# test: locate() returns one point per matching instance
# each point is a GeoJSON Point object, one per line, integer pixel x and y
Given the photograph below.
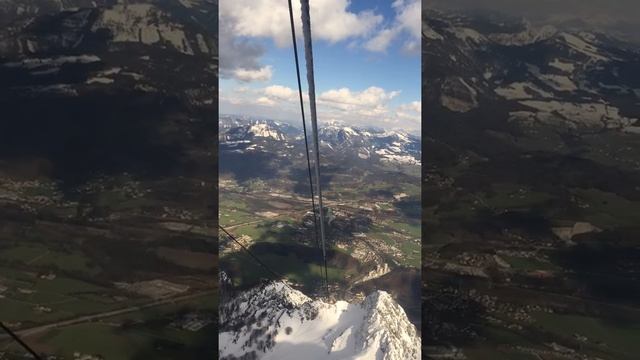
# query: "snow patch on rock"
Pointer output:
{"type": "Point", "coordinates": [521, 90]}
{"type": "Point", "coordinates": [142, 23]}
{"type": "Point", "coordinates": [277, 322]}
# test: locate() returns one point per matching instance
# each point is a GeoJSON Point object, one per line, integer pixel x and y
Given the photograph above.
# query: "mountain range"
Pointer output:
{"type": "Point", "coordinates": [576, 81]}
{"type": "Point", "coordinates": [242, 134]}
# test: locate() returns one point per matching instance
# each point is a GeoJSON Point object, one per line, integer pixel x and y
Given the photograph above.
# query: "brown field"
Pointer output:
{"type": "Point", "coordinates": [186, 258]}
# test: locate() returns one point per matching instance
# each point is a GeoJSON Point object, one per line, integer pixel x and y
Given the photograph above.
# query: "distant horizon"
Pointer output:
{"type": "Point", "coordinates": [298, 123]}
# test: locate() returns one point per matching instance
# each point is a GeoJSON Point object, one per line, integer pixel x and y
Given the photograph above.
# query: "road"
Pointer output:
{"type": "Point", "coordinates": [89, 318]}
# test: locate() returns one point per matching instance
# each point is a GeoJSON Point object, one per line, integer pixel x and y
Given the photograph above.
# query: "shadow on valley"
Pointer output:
{"type": "Point", "coordinates": [73, 138]}
{"type": "Point", "coordinates": [248, 166]}
{"type": "Point", "coordinates": [605, 265]}
{"type": "Point", "coordinates": [201, 345]}
{"type": "Point", "coordinates": [299, 263]}
{"type": "Point", "coordinates": [528, 221]}
{"type": "Point", "coordinates": [341, 227]}
{"type": "Point", "coordinates": [301, 178]}
{"type": "Point", "coordinates": [411, 208]}
{"type": "Point", "coordinates": [448, 314]}
{"type": "Point", "coordinates": [292, 348]}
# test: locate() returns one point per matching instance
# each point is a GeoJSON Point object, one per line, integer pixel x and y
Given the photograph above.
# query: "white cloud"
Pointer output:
{"type": "Point", "coordinates": [280, 92]}
{"type": "Point", "coordinates": [408, 20]}
{"type": "Point", "coordinates": [237, 53]}
{"type": "Point", "coordinates": [230, 99]}
{"type": "Point", "coordinates": [411, 111]}
{"type": "Point", "coordinates": [247, 75]}
{"type": "Point", "coordinates": [372, 96]}
{"type": "Point", "coordinates": [415, 106]}
{"type": "Point", "coordinates": [265, 101]}
{"type": "Point", "coordinates": [371, 106]}
{"type": "Point", "coordinates": [331, 20]}
{"type": "Point", "coordinates": [242, 22]}
{"type": "Point", "coordinates": [382, 40]}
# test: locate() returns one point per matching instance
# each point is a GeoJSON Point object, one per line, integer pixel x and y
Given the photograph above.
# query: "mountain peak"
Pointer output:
{"type": "Point", "coordinates": [266, 131]}
{"type": "Point", "coordinates": [240, 134]}
{"type": "Point", "coordinates": [274, 321]}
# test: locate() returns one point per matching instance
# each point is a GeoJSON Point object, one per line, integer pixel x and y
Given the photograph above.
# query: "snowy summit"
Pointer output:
{"type": "Point", "coordinates": [274, 321]}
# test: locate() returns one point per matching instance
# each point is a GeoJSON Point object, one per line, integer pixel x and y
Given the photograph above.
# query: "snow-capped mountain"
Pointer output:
{"type": "Point", "coordinates": [229, 122]}
{"type": "Point", "coordinates": [390, 146]}
{"type": "Point", "coordinates": [539, 75]}
{"type": "Point", "coordinates": [252, 131]}
{"type": "Point", "coordinates": [386, 146]}
{"type": "Point", "coordinates": [273, 321]}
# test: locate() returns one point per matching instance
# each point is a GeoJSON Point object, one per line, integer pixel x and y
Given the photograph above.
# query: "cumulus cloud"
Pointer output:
{"type": "Point", "coordinates": [415, 106]}
{"type": "Point", "coordinates": [262, 74]}
{"type": "Point", "coordinates": [368, 107]}
{"type": "Point", "coordinates": [244, 22]}
{"type": "Point", "coordinates": [265, 101]}
{"type": "Point", "coordinates": [238, 56]}
{"type": "Point", "coordinates": [331, 20]}
{"type": "Point", "coordinates": [411, 111]}
{"type": "Point", "coordinates": [372, 96]}
{"type": "Point", "coordinates": [408, 20]}
{"type": "Point", "coordinates": [247, 27]}
{"type": "Point", "coordinates": [382, 40]}
{"type": "Point", "coordinates": [280, 92]}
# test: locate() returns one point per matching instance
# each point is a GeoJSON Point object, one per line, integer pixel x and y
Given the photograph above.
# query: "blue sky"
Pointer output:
{"type": "Point", "coordinates": [366, 61]}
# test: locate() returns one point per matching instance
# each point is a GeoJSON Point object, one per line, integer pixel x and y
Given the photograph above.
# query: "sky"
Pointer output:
{"type": "Point", "coordinates": [366, 57]}
{"type": "Point", "coordinates": [619, 16]}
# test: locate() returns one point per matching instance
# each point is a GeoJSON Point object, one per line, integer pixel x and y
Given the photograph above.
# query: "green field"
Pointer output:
{"type": "Point", "coordinates": [527, 264]}
{"type": "Point", "coordinates": [65, 297]}
{"type": "Point", "coordinates": [290, 266]}
{"type": "Point", "coordinates": [150, 337]}
{"type": "Point", "coordinates": [381, 233]}
{"type": "Point", "coordinates": [112, 342]}
{"type": "Point", "coordinates": [409, 248]}
{"type": "Point", "coordinates": [512, 196]}
{"type": "Point", "coordinates": [119, 201]}
{"type": "Point", "coordinates": [266, 231]}
{"type": "Point", "coordinates": [608, 210]}
{"type": "Point", "coordinates": [493, 347]}
{"type": "Point", "coordinates": [39, 256]}
{"type": "Point", "coordinates": [410, 229]}
{"type": "Point", "coordinates": [412, 253]}
{"type": "Point", "coordinates": [618, 339]}
{"type": "Point", "coordinates": [95, 338]}
{"type": "Point", "coordinates": [235, 210]}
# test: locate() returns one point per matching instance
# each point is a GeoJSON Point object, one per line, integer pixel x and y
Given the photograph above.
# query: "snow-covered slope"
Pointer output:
{"type": "Point", "coordinates": [274, 321]}
{"type": "Point", "coordinates": [581, 80]}
{"type": "Point", "coordinates": [389, 146]}
{"type": "Point", "coordinates": [84, 46]}
{"type": "Point", "coordinates": [239, 130]}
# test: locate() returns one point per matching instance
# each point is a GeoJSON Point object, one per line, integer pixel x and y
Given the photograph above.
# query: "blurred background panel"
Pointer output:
{"type": "Point", "coordinates": [530, 179]}
{"type": "Point", "coordinates": [108, 174]}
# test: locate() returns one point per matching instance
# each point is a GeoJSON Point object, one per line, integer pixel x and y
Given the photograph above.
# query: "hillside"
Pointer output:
{"type": "Point", "coordinates": [530, 190]}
